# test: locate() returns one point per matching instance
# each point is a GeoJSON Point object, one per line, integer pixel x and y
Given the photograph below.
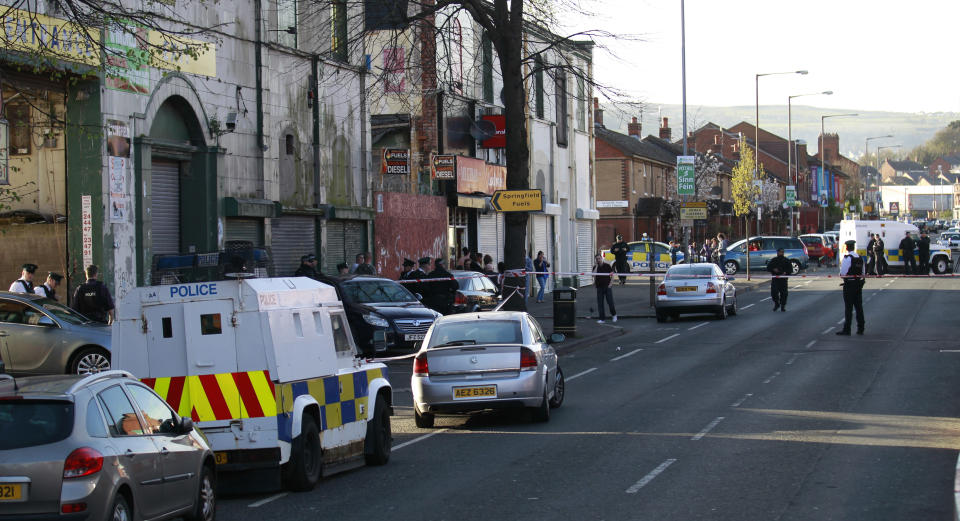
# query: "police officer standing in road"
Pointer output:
{"type": "Point", "coordinates": [924, 246]}
{"type": "Point", "coordinates": [907, 245]}
{"type": "Point", "coordinates": [308, 267]}
{"type": "Point", "coordinates": [781, 268]}
{"type": "Point", "coordinates": [25, 283]}
{"type": "Point", "coordinates": [92, 298]}
{"type": "Point", "coordinates": [852, 271]}
{"type": "Point", "coordinates": [620, 249]}
{"type": "Point", "coordinates": [441, 292]}
{"type": "Point", "coordinates": [49, 288]}
{"type": "Point", "coordinates": [879, 249]}
{"type": "Point", "coordinates": [872, 255]}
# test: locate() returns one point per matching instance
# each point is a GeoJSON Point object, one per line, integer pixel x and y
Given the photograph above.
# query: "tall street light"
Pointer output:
{"type": "Point", "coordinates": [823, 156]}
{"type": "Point", "coordinates": [794, 224]}
{"type": "Point", "coordinates": [866, 152]}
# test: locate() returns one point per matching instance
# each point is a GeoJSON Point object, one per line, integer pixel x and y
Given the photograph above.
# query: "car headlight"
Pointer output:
{"type": "Point", "coordinates": [375, 320]}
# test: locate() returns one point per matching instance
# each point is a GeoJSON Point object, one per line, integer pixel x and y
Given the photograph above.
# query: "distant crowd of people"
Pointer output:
{"type": "Point", "coordinates": [92, 298]}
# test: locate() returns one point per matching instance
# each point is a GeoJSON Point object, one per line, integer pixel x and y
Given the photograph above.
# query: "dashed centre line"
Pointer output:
{"type": "Point", "coordinates": [621, 357]}
{"type": "Point", "coordinates": [810, 343]}
{"type": "Point", "coordinates": [716, 421]}
{"type": "Point", "coordinates": [768, 298]}
{"type": "Point", "coordinates": [793, 359]}
{"type": "Point", "coordinates": [829, 329]}
{"type": "Point", "coordinates": [699, 325]}
{"type": "Point", "coordinates": [774, 375]}
{"type": "Point", "coordinates": [578, 375]}
{"type": "Point", "coordinates": [667, 338]}
{"type": "Point", "coordinates": [739, 402]}
{"type": "Point", "coordinates": [418, 439]}
{"type": "Point", "coordinates": [651, 476]}
{"type": "Point", "coordinates": [269, 499]}
{"type": "Point", "coordinates": [748, 306]}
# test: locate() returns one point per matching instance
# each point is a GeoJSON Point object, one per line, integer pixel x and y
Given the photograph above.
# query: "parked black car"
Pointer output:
{"type": "Point", "coordinates": [477, 292]}
{"type": "Point", "coordinates": [379, 304]}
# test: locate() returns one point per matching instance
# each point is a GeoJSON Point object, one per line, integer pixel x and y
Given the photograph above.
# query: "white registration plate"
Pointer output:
{"type": "Point", "coordinates": [410, 338]}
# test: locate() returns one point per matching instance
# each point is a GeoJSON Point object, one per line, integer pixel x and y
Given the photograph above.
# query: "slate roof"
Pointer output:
{"type": "Point", "coordinates": [635, 147]}
{"type": "Point", "coordinates": [905, 166]}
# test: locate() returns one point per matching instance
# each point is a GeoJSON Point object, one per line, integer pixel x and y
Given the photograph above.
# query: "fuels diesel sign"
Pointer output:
{"type": "Point", "coordinates": [395, 161]}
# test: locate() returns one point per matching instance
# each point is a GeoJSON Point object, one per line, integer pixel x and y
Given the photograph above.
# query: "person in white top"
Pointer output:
{"type": "Point", "coordinates": [49, 288]}
{"type": "Point", "coordinates": [25, 283]}
{"type": "Point", "coordinates": [852, 270]}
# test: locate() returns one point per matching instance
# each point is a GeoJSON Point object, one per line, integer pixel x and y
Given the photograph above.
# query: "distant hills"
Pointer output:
{"type": "Point", "coordinates": [908, 129]}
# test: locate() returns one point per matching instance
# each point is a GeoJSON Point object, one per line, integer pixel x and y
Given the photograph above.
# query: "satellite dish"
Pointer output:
{"type": "Point", "coordinates": [483, 130]}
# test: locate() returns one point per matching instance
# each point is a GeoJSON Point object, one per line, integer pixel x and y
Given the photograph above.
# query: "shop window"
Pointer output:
{"type": "Point", "coordinates": [581, 104]}
{"type": "Point", "coordinates": [561, 94]}
{"type": "Point", "coordinates": [338, 29]}
{"type": "Point", "coordinates": [20, 129]}
{"type": "Point", "coordinates": [487, 67]}
{"type": "Point", "coordinates": [538, 87]}
{"type": "Point", "coordinates": [287, 22]}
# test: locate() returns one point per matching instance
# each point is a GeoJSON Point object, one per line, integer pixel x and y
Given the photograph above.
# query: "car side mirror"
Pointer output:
{"type": "Point", "coordinates": [556, 338]}
{"type": "Point", "coordinates": [186, 425]}
{"type": "Point", "coordinates": [419, 296]}
{"type": "Point", "coordinates": [45, 321]}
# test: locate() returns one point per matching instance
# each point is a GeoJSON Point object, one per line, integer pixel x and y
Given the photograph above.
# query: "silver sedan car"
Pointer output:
{"type": "Point", "coordinates": [493, 360]}
{"type": "Point", "coordinates": [695, 288]}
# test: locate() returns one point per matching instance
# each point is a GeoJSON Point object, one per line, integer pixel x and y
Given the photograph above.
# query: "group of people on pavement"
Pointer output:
{"type": "Point", "coordinates": [437, 294]}
{"type": "Point", "coordinates": [92, 298]}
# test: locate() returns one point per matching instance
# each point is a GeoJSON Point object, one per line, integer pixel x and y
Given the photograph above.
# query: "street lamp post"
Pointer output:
{"type": "Point", "coordinates": [879, 175]}
{"type": "Point", "coordinates": [794, 224]}
{"type": "Point", "coordinates": [866, 152]}
{"type": "Point", "coordinates": [823, 156]}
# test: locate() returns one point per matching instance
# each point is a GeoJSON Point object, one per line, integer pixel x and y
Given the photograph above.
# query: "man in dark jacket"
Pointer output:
{"type": "Point", "coordinates": [781, 268]}
{"type": "Point", "coordinates": [604, 291]}
{"type": "Point", "coordinates": [92, 298]}
{"type": "Point", "coordinates": [924, 246]}
{"type": "Point", "coordinates": [308, 267]}
{"type": "Point", "coordinates": [872, 255]}
{"type": "Point", "coordinates": [407, 269]}
{"type": "Point", "coordinates": [907, 245]}
{"type": "Point", "coordinates": [419, 274]}
{"type": "Point", "coordinates": [879, 250]}
{"type": "Point", "coordinates": [441, 292]}
{"type": "Point", "coordinates": [620, 249]}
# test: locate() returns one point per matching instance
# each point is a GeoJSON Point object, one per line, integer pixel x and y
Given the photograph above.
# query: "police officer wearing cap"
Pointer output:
{"type": "Point", "coordinates": [25, 283]}
{"type": "Point", "coordinates": [92, 298]}
{"type": "Point", "coordinates": [308, 267]}
{"type": "Point", "coordinates": [407, 269]}
{"type": "Point", "coordinates": [49, 288]}
{"type": "Point", "coordinates": [620, 249]}
{"type": "Point", "coordinates": [417, 274]}
{"type": "Point", "coordinates": [441, 292]}
{"type": "Point", "coordinates": [852, 271]}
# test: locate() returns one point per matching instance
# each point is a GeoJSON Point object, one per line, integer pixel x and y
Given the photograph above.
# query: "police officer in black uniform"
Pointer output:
{"type": "Point", "coordinates": [49, 288]}
{"type": "Point", "coordinates": [441, 292]}
{"type": "Point", "coordinates": [25, 283]}
{"type": "Point", "coordinates": [418, 274]}
{"type": "Point", "coordinates": [407, 268]}
{"type": "Point", "coordinates": [308, 267]}
{"type": "Point", "coordinates": [924, 246]}
{"type": "Point", "coordinates": [92, 298]}
{"type": "Point", "coordinates": [853, 271]}
{"type": "Point", "coordinates": [907, 245]}
{"type": "Point", "coordinates": [620, 249]}
{"type": "Point", "coordinates": [879, 249]}
{"type": "Point", "coordinates": [781, 268]}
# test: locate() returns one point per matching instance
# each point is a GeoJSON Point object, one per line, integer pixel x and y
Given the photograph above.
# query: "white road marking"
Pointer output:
{"type": "Point", "coordinates": [700, 324]}
{"type": "Point", "coordinates": [708, 428]}
{"type": "Point", "coordinates": [950, 350]}
{"type": "Point", "coordinates": [841, 321]}
{"type": "Point", "coordinates": [810, 343]}
{"type": "Point", "coordinates": [578, 375]}
{"type": "Point", "coordinates": [269, 499]}
{"type": "Point", "coordinates": [739, 402]}
{"type": "Point", "coordinates": [774, 375]}
{"type": "Point", "coordinates": [747, 306]}
{"type": "Point", "coordinates": [768, 298]}
{"type": "Point", "coordinates": [808, 282]}
{"type": "Point", "coordinates": [667, 338]}
{"type": "Point", "coordinates": [419, 439]}
{"type": "Point", "coordinates": [793, 359]}
{"type": "Point", "coordinates": [798, 287]}
{"type": "Point", "coordinates": [650, 477]}
{"type": "Point", "coordinates": [829, 329]}
{"type": "Point", "coordinates": [621, 357]}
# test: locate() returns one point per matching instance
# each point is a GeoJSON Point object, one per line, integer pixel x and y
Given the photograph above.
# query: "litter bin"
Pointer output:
{"type": "Point", "coordinates": [565, 310]}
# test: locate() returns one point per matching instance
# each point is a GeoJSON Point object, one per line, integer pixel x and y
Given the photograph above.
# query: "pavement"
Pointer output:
{"type": "Point", "coordinates": [632, 301]}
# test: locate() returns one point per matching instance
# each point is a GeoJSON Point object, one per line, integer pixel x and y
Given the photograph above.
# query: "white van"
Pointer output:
{"type": "Point", "coordinates": [892, 232]}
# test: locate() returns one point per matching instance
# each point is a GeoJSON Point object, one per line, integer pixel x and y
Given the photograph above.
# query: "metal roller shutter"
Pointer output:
{"type": "Point", "coordinates": [488, 242]}
{"type": "Point", "coordinates": [585, 249]}
{"type": "Point", "coordinates": [539, 235]}
{"type": "Point", "coordinates": [292, 237]}
{"type": "Point", "coordinates": [549, 251]}
{"type": "Point", "coordinates": [165, 209]}
{"type": "Point", "coordinates": [250, 230]}
{"type": "Point", "coordinates": [333, 251]}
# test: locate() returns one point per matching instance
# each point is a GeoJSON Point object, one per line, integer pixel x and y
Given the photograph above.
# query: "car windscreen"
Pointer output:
{"type": "Point", "coordinates": [29, 423]}
{"type": "Point", "coordinates": [368, 291]}
{"type": "Point", "coordinates": [690, 272]}
{"type": "Point", "coordinates": [62, 312]}
{"type": "Point", "coordinates": [476, 332]}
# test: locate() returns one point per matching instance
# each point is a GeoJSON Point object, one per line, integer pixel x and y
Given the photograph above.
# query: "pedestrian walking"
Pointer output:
{"type": "Point", "coordinates": [92, 298]}
{"type": "Point", "coordinates": [541, 265]}
{"type": "Point", "coordinates": [49, 288]}
{"type": "Point", "coordinates": [620, 249]}
{"type": "Point", "coordinates": [852, 272]}
{"type": "Point", "coordinates": [923, 245]}
{"type": "Point", "coordinates": [781, 268]}
{"type": "Point", "coordinates": [879, 250]}
{"type": "Point", "coordinates": [308, 267]}
{"type": "Point", "coordinates": [907, 245]}
{"type": "Point", "coordinates": [721, 250]}
{"type": "Point", "coordinates": [25, 283]}
{"type": "Point", "coordinates": [872, 255]}
{"type": "Point", "coordinates": [604, 291]}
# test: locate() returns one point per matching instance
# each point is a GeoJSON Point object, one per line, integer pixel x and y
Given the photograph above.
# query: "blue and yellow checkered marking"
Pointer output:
{"type": "Point", "coordinates": [343, 399]}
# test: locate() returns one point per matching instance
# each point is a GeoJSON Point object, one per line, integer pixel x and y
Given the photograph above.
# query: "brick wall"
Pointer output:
{"type": "Point", "coordinates": [410, 226]}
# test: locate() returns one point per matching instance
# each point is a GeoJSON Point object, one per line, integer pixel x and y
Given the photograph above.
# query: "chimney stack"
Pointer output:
{"type": "Point", "coordinates": [597, 113]}
{"type": "Point", "coordinates": [665, 130]}
{"type": "Point", "coordinates": [634, 129]}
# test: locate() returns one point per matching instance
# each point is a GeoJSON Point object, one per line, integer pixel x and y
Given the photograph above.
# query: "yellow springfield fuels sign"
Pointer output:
{"type": "Point", "coordinates": [30, 32]}
{"type": "Point", "coordinates": [517, 201]}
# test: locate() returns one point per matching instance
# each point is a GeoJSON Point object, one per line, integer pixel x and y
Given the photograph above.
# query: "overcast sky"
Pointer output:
{"type": "Point", "coordinates": [874, 55]}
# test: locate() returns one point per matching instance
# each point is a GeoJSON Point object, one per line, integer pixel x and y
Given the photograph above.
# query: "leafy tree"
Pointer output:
{"type": "Point", "coordinates": [944, 143]}
{"type": "Point", "coordinates": [744, 192]}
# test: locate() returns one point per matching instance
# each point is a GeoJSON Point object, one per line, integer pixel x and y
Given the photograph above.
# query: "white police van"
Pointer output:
{"type": "Point", "coordinates": [267, 368]}
{"type": "Point", "coordinates": [892, 232]}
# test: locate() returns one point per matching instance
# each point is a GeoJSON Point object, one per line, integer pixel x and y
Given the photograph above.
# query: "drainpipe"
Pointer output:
{"type": "Point", "coordinates": [314, 81]}
{"type": "Point", "coordinates": [258, 61]}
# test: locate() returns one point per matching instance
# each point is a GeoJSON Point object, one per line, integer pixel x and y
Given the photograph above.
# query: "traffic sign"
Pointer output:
{"type": "Point", "coordinates": [517, 201]}
{"type": "Point", "coordinates": [693, 210]}
{"type": "Point", "coordinates": [791, 195]}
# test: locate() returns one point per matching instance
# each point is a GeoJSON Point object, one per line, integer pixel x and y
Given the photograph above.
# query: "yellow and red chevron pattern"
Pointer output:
{"type": "Point", "coordinates": [223, 396]}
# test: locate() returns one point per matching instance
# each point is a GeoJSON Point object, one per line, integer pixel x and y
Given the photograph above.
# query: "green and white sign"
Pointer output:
{"type": "Point", "coordinates": [686, 178]}
{"type": "Point", "coordinates": [791, 195]}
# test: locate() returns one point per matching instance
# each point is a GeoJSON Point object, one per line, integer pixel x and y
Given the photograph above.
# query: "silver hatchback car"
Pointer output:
{"type": "Point", "coordinates": [494, 360]}
{"type": "Point", "coordinates": [695, 288]}
{"type": "Point", "coordinates": [102, 446]}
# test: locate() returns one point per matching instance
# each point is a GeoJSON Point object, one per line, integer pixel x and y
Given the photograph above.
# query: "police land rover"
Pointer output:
{"type": "Point", "coordinates": [267, 368]}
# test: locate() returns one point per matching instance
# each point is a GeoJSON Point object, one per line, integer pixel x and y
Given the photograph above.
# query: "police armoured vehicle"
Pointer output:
{"type": "Point", "coordinates": [892, 232]}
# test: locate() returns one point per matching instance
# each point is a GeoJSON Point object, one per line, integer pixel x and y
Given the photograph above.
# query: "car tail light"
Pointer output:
{"type": "Point", "coordinates": [661, 290]}
{"type": "Point", "coordinates": [459, 299]}
{"type": "Point", "coordinates": [72, 508]}
{"type": "Point", "coordinates": [420, 365]}
{"type": "Point", "coordinates": [711, 287]}
{"type": "Point", "coordinates": [528, 360]}
{"type": "Point", "coordinates": [82, 462]}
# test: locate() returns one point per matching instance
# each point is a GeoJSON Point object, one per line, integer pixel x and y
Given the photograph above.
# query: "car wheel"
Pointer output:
{"type": "Point", "coordinates": [661, 317]}
{"type": "Point", "coordinates": [89, 360]}
{"type": "Point", "coordinates": [559, 388]}
{"type": "Point", "coordinates": [379, 436]}
{"type": "Point", "coordinates": [795, 265]}
{"type": "Point", "coordinates": [722, 313]}
{"type": "Point", "coordinates": [541, 413]}
{"type": "Point", "coordinates": [939, 265]}
{"type": "Point", "coordinates": [731, 267]}
{"type": "Point", "coordinates": [121, 510]}
{"type": "Point", "coordinates": [732, 310]}
{"type": "Point", "coordinates": [206, 507]}
{"type": "Point", "coordinates": [424, 420]}
{"type": "Point", "coordinates": [303, 469]}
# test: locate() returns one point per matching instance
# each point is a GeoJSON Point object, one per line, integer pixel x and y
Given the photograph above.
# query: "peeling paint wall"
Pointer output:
{"type": "Point", "coordinates": [410, 226]}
